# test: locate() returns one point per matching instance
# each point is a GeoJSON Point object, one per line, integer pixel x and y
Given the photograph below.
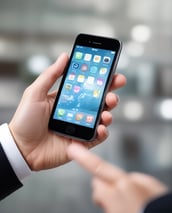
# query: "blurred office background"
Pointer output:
{"type": "Point", "coordinates": [32, 35]}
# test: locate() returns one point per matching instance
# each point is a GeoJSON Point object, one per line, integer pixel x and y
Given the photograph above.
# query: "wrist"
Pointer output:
{"type": "Point", "coordinates": [17, 141]}
{"type": "Point", "coordinates": [13, 154]}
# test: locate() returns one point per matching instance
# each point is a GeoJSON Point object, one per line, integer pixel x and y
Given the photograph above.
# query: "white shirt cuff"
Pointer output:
{"type": "Point", "coordinates": [13, 154]}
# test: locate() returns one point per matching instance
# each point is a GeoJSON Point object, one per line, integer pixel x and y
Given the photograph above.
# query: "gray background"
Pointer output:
{"type": "Point", "coordinates": [140, 136]}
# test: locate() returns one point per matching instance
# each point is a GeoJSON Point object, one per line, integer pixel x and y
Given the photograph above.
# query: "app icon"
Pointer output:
{"type": "Point", "coordinates": [71, 76]}
{"type": "Point", "coordinates": [75, 65]}
{"type": "Point", "coordinates": [76, 89]}
{"type": "Point", "coordinates": [97, 58]}
{"type": "Point", "coordinates": [106, 60]}
{"type": "Point", "coordinates": [90, 80]}
{"type": "Point", "coordinates": [84, 67]}
{"type": "Point", "coordinates": [100, 81]}
{"type": "Point", "coordinates": [68, 86]}
{"type": "Point", "coordinates": [96, 93]}
{"type": "Point", "coordinates": [93, 69]}
{"type": "Point", "coordinates": [81, 78]}
{"type": "Point", "coordinates": [78, 55]}
{"type": "Point", "coordinates": [70, 115]}
{"type": "Point", "coordinates": [79, 116]}
{"type": "Point", "coordinates": [61, 112]}
{"type": "Point", "coordinates": [87, 57]}
{"type": "Point", "coordinates": [103, 70]}
{"type": "Point", "coordinates": [89, 118]}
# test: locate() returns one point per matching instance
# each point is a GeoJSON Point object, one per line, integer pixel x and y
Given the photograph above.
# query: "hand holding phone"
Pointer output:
{"type": "Point", "coordinates": [80, 99]}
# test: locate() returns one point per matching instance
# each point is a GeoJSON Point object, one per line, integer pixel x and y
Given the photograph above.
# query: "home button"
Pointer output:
{"type": "Point", "coordinates": [70, 129]}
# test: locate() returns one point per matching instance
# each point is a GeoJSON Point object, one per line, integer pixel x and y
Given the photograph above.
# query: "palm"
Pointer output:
{"type": "Point", "coordinates": [41, 148]}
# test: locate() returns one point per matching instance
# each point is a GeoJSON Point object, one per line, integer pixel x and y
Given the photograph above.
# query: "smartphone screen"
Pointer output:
{"type": "Point", "coordinates": [81, 96]}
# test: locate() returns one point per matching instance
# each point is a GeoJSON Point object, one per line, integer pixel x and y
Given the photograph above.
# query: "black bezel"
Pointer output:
{"type": "Point", "coordinates": [81, 132]}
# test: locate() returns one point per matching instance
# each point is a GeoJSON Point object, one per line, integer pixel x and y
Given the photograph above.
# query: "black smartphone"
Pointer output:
{"type": "Point", "coordinates": [80, 98]}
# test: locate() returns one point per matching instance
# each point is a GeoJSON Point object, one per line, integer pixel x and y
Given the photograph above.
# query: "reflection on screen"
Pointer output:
{"type": "Point", "coordinates": [83, 88]}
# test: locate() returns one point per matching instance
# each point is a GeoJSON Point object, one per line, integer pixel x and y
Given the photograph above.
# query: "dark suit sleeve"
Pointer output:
{"type": "Point", "coordinates": [160, 205]}
{"type": "Point", "coordinates": [8, 179]}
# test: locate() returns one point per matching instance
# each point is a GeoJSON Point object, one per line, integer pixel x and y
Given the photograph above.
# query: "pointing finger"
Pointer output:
{"type": "Point", "coordinates": [94, 164]}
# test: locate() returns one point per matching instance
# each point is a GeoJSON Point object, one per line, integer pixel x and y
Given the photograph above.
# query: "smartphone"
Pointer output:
{"type": "Point", "coordinates": [87, 77]}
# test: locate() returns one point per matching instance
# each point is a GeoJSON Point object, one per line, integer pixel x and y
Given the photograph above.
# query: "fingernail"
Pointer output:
{"type": "Point", "coordinates": [118, 99]}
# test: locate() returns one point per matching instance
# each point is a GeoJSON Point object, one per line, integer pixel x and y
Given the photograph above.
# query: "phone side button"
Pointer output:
{"type": "Point", "coordinates": [70, 129]}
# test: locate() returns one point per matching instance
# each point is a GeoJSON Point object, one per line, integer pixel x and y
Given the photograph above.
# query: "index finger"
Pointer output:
{"type": "Point", "coordinates": [94, 164]}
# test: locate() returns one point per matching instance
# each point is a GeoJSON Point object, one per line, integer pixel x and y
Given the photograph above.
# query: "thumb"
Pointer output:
{"type": "Point", "coordinates": [46, 80]}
